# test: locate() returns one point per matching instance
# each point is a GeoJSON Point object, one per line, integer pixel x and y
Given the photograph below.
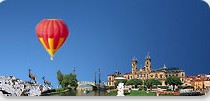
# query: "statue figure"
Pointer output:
{"type": "Point", "coordinates": [120, 89]}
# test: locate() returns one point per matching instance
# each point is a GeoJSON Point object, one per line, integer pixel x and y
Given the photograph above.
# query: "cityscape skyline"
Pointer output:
{"type": "Point", "coordinates": [106, 35]}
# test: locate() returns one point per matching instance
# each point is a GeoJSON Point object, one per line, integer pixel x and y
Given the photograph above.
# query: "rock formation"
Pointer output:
{"type": "Point", "coordinates": [11, 86]}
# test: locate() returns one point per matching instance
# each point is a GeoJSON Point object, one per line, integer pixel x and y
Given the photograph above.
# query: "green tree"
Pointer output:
{"type": "Point", "coordinates": [174, 81]}
{"type": "Point", "coordinates": [69, 81]}
{"type": "Point", "coordinates": [156, 82]}
{"type": "Point", "coordinates": [134, 82]}
{"type": "Point", "coordinates": [59, 77]}
{"type": "Point", "coordinates": [151, 82]}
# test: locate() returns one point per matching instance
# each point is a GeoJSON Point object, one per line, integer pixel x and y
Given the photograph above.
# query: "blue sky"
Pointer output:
{"type": "Point", "coordinates": [105, 34]}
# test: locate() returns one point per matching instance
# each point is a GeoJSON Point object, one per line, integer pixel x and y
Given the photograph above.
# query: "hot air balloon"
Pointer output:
{"type": "Point", "coordinates": [52, 33]}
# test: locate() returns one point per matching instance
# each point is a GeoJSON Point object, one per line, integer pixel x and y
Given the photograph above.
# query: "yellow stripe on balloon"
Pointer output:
{"type": "Point", "coordinates": [59, 43]}
{"type": "Point", "coordinates": [51, 45]}
{"type": "Point", "coordinates": [48, 50]}
{"type": "Point", "coordinates": [42, 41]}
{"type": "Point", "coordinates": [51, 49]}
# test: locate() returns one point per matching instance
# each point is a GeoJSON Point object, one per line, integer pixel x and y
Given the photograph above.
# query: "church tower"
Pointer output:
{"type": "Point", "coordinates": [134, 66]}
{"type": "Point", "coordinates": [148, 63]}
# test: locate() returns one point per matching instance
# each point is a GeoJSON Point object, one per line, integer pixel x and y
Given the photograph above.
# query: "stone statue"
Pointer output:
{"type": "Point", "coordinates": [120, 89]}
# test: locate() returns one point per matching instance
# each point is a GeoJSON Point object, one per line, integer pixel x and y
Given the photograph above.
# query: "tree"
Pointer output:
{"type": "Point", "coordinates": [135, 82]}
{"type": "Point", "coordinates": [156, 82]}
{"type": "Point", "coordinates": [151, 82]}
{"type": "Point", "coordinates": [59, 77]}
{"type": "Point", "coordinates": [172, 80]}
{"type": "Point", "coordinates": [68, 81]}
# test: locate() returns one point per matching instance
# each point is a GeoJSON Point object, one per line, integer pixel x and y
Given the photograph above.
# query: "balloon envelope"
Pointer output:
{"type": "Point", "coordinates": [52, 33]}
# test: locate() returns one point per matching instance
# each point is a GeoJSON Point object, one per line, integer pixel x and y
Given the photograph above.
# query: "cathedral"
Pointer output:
{"type": "Point", "coordinates": [146, 72]}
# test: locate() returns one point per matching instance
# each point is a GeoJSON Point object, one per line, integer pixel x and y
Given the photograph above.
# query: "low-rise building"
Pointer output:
{"type": "Point", "coordinates": [199, 82]}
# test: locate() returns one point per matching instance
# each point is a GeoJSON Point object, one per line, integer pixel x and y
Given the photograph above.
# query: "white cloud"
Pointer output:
{"type": "Point", "coordinates": [207, 1]}
{"type": "Point", "coordinates": [2, 1]}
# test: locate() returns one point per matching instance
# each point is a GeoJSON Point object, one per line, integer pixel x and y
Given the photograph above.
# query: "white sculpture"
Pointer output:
{"type": "Point", "coordinates": [120, 89]}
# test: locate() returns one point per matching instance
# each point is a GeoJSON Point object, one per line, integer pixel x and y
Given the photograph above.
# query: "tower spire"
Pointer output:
{"type": "Point", "coordinates": [74, 70]}
{"type": "Point", "coordinates": [148, 63]}
{"type": "Point", "coordinates": [147, 57]}
{"type": "Point", "coordinates": [134, 58]}
{"type": "Point", "coordinates": [164, 66]}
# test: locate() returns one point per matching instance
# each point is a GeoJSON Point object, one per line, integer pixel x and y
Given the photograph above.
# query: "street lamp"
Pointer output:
{"type": "Point", "coordinates": [99, 81]}
{"type": "Point", "coordinates": [95, 77]}
{"type": "Point", "coordinates": [95, 89]}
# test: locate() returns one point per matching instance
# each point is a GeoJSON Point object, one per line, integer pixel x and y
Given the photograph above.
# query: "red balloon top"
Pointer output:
{"type": "Point", "coordinates": [52, 29]}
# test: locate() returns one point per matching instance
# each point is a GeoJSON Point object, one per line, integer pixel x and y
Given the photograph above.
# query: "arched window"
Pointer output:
{"type": "Point", "coordinates": [161, 76]}
{"type": "Point", "coordinates": [110, 78]}
{"type": "Point", "coordinates": [156, 75]}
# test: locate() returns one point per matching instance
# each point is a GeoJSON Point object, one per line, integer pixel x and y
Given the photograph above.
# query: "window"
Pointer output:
{"type": "Point", "coordinates": [110, 78]}
{"type": "Point", "coordinates": [156, 75]}
{"type": "Point", "coordinates": [161, 76]}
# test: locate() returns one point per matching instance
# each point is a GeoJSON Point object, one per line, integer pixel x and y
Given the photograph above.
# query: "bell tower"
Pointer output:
{"type": "Point", "coordinates": [134, 65]}
{"type": "Point", "coordinates": [148, 63]}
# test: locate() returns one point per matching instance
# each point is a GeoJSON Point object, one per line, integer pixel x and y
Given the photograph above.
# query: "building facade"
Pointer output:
{"type": "Point", "coordinates": [146, 72]}
{"type": "Point", "coordinates": [198, 83]}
